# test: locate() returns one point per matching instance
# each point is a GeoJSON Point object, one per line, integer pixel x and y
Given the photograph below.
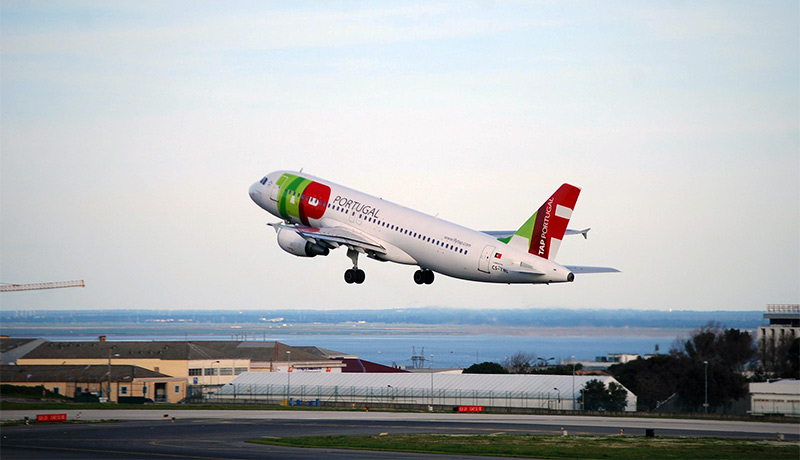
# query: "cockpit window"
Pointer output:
{"type": "Point", "coordinates": [264, 181]}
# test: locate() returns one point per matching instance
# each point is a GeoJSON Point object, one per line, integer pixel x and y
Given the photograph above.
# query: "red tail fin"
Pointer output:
{"type": "Point", "coordinates": [551, 222]}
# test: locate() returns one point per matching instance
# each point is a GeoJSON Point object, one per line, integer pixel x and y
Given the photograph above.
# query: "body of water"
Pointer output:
{"type": "Point", "coordinates": [442, 351]}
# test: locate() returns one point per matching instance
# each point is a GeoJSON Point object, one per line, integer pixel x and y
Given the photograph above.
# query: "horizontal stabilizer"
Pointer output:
{"type": "Point", "coordinates": [523, 268]}
{"type": "Point", "coordinates": [583, 232]}
{"type": "Point", "coordinates": [577, 269]}
{"type": "Point", "coordinates": [502, 234]}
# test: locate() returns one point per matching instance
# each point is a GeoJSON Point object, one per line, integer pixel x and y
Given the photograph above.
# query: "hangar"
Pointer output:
{"type": "Point", "coordinates": [556, 392]}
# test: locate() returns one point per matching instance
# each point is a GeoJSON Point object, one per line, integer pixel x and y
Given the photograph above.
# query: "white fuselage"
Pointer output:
{"type": "Point", "coordinates": [414, 238]}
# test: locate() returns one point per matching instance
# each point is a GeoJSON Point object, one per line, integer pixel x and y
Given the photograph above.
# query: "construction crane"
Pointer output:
{"type": "Point", "coordinates": [35, 286]}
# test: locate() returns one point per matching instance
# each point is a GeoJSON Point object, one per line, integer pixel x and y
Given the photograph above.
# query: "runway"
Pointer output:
{"type": "Point", "coordinates": [212, 434]}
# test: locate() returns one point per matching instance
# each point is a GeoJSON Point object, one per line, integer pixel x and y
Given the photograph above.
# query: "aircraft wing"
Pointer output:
{"type": "Point", "coordinates": [335, 237]}
{"type": "Point", "coordinates": [578, 269]}
{"type": "Point", "coordinates": [508, 233]}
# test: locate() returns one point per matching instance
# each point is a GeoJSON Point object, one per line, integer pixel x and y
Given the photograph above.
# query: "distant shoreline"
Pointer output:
{"type": "Point", "coordinates": [255, 330]}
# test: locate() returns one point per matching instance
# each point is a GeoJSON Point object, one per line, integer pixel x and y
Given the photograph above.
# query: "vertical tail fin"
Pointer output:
{"type": "Point", "coordinates": [542, 233]}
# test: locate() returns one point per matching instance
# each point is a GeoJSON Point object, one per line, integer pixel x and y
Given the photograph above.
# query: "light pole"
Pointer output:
{"type": "Point", "coordinates": [573, 382]}
{"type": "Point", "coordinates": [559, 397]}
{"type": "Point", "coordinates": [705, 378]}
{"type": "Point", "coordinates": [109, 374]}
{"type": "Point", "coordinates": [288, 374]}
{"type": "Point", "coordinates": [431, 381]}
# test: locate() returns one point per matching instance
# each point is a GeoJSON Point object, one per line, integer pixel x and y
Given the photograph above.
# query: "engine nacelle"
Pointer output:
{"type": "Point", "coordinates": [295, 244]}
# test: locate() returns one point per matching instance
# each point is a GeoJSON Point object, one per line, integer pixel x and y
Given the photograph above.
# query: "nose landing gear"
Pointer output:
{"type": "Point", "coordinates": [423, 276]}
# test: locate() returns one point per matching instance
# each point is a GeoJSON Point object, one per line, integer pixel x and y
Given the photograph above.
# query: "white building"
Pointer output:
{"type": "Point", "coordinates": [784, 324]}
{"type": "Point", "coordinates": [777, 397]}
{"type": "Point", "coordinates": [558, 392]}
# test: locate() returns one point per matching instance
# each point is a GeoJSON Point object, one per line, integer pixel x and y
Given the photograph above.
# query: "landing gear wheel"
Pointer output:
{"type": "Point", "coordinates": [423, 276]}
{"type": "Point", "coordinates": [354, 275]}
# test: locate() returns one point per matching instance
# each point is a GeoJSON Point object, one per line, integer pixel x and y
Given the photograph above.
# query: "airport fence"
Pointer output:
{"type": "Point", "coordinates": [390, 397]}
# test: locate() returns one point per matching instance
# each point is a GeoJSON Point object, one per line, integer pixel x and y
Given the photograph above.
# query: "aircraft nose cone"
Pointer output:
{"type": "Point", "coordinates": [255, 191]}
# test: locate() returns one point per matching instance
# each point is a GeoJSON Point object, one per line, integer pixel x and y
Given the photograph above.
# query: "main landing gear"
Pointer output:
{"type": "Point", "coordinates": [354, 275]}
{"type": "Point", "coordinates": [423, 276]}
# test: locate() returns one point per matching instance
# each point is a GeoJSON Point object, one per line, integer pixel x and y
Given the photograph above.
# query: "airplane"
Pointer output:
{"type": "Point", "coordinates": [318, 215]}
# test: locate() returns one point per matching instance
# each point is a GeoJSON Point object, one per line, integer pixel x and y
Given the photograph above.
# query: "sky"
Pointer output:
{"type": "Point", "coordinates": [131, 131]}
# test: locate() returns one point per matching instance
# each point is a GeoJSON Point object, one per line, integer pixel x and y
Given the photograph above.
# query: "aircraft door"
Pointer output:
{"type": "Point", "coordinates": [273, 194]}
{"type": "Point", "coordinates": [486, 256]}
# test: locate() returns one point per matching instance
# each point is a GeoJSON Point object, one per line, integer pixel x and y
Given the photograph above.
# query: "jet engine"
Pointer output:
{"type": "Point", "coordinates": [295, 244]}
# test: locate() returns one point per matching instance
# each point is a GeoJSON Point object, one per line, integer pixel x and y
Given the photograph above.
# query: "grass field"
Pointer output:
{"type": "Point", "coordinates": [557, 447]}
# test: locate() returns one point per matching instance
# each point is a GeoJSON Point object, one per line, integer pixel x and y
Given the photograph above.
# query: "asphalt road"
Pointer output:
{"type": "Point", "coordinates": [222, 434]}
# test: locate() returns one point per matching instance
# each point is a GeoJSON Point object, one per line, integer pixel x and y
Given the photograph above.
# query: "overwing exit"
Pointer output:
{"type": "Point", "coordinates": [318, 216]}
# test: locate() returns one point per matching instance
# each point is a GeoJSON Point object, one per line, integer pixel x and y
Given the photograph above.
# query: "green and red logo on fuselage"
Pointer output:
{"type": "Point", "coordinates": [302, 198]}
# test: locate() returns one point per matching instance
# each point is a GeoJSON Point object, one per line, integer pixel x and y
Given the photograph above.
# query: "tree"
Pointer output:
{"type": "Point", "coordinates": [485, 368]}
{"type": "Point", "coordinates": [561, 369]}
{"type": "Point", "coordinates": [652, 380]}
{"type": "Point", "coordinates": [616, 397]}
{"type": "Point", "coordinates": [596, 396]}
{"type": "Point", "coordinates": [731, 348]}
{"type": "Point", "coordinates": [520, 363]}
{"type": "Point", "coordinates": [736, 349]}
{"type": "Point", "coordinates": [780, 358]}
{"type": "Point", "coordinates": [728, 352]}
{"type": "Point", "coordinates": [791, 368]}
{"type": "Point", "coordinates": [593, 394]}
{"type": "Point", "coordinates": [720, 356]}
